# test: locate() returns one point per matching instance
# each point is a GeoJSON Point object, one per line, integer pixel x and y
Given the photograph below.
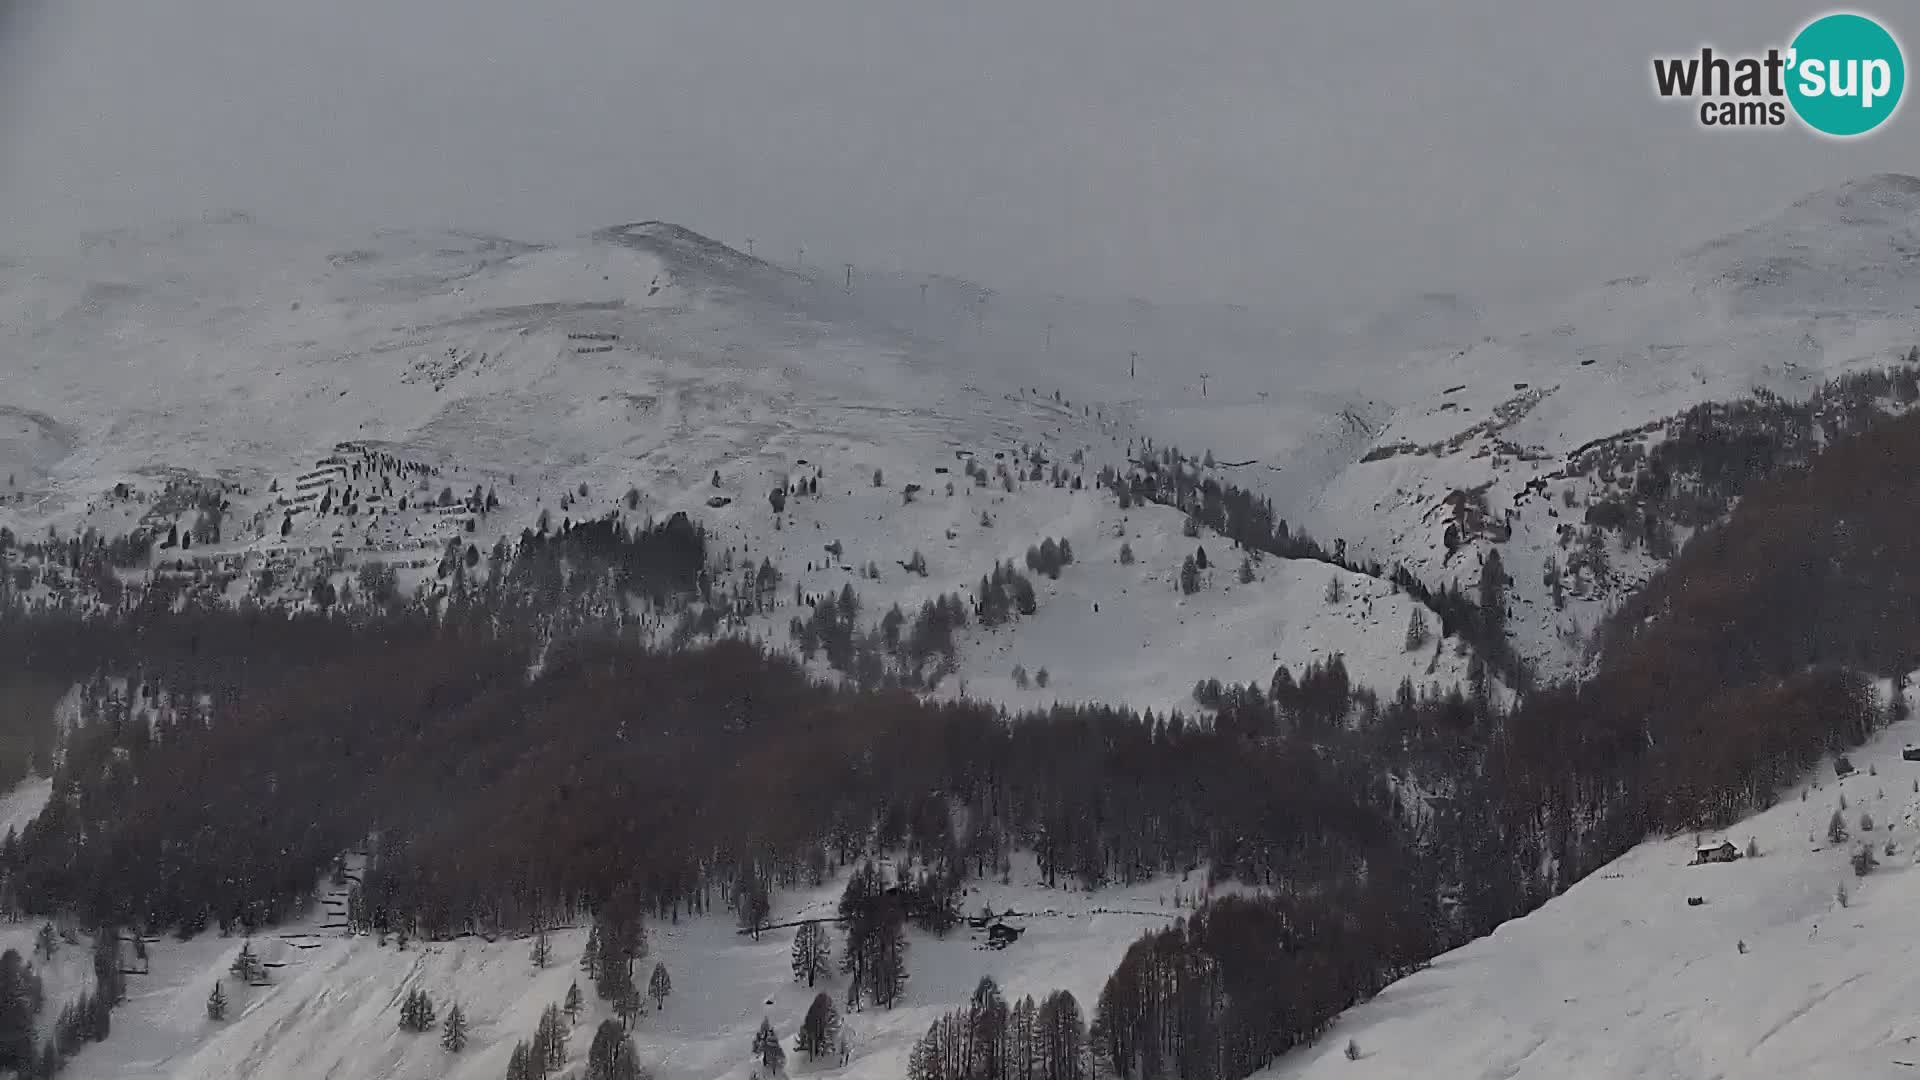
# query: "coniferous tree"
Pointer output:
{"type": "Point", "coordinates": [887, 968]}
{"type": "Point", "coordinates": [626, 1064]}
{"type": "Point", "coordinates": [453, 1035]}
{"type": "Point", "coordinates": [20, 1000]}
{"type": "Point", "coordinates": [573, 1003]}
{"type": "Point", "coordinates": [820, 1031]}
{"type": "Point", "coordinates": [659, 985]}
{"type": "Point", "coordinates": [1024, 599]}
{"type": "Point", "coordinates": [628, 1005]}
{"type": "Point", "coordinates": [621, 942]}
{"type": "Point", "coordinates": [590, 957]}
{"type": "Point", "coordinates": [217, 1003]}
{"type": "Point", "coordinates": [1493, 595]}
{"type": "Point", "coordinates": [1417, 636]}
{"type": "Point", "coordinates": [752, 898]}
{"type": "Point", "coordinates": [812, 952]}
{"type": "Point", "coordinates": [520, 1063]}
{"type": "Point", "coordinates": [612, 1055]}
{"type": "Point", "coordinates": [542, 952]}
{"type": "Point", "coordinates": [75, 1025]}
{"type": "Point", "coordinates": [986, 1031]}
{"type": "Point", "coordinates": [1060, 1038]}
{"type": "Point", "coordinates": [246, 965]}
{"type": "Point", "coordinates": [416, 1012]}
{"type": "Point", "coordinates": [550, 1041]}
{"type": "Point", "coordinates": [766, 1047]}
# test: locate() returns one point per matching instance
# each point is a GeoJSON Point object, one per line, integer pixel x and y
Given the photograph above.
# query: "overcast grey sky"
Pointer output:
{"type": "Point", "coordinates": [1254, 151]}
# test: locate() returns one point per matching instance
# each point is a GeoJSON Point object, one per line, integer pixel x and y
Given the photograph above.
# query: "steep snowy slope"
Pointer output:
{"type": "Point", "coordinates": [1828, 286]}
{"type": "Point", "coordinates": [1775, 974]}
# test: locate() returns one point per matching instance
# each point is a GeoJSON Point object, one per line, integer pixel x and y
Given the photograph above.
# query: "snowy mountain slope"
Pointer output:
{"type": "Point", "coordinates": [331, 1010]}
{"type": "Point", "coordinates": [1620, 977]}
{"type": "Point", "coordinates": [1360, 428]}
{"type": "Point", "coordinates": [1830, 285]}
{"type": "Point", "coordinates": [1106, 630]}
{"type": "Point", "coordinates": [649, 358]}
{"type": "Point", "coordinates": [24, 803]}
{"type": "Point", "coordinates": [234, 358]}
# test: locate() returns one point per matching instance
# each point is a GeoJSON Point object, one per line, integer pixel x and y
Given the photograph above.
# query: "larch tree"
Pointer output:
{"type": "Point", "coordinates": [767, 1048]}
{"type": "Point", "coordinates": [612, 1055]}
{"type": "Point", "coordinates": [812, 952]}
{"type": "Point", "coordinates": [550, 1041]}
{"type": "Point", "coordinates": [628, 1006]}
{"type": "Point", "coordinates": [1493, 595]}
{"type": "Point", "coordinates": [453, 1035]}
{"type": "Point", "coordinates": [520, 1063]}
{"type": "Point", "coordinates": [1417, 636]}
{"type": "Point", "coordinates": [820, 1031]}
{"type": "Point", "coordinates": [659, 985]}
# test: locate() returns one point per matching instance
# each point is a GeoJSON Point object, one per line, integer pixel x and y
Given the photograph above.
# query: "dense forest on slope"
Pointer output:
{"type": "Point", "coordinates": [615, 770]}
{"type": "Point", "coordinates": [1699, 462]}
{"type": "Point", "coordinates": [505, 774]}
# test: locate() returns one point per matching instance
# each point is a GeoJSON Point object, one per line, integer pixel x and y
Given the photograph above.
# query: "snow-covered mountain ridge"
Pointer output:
{"type": "Point", "coordinates": [1829, 286]}
{"type": "Point", "coordinates": [316, 402]}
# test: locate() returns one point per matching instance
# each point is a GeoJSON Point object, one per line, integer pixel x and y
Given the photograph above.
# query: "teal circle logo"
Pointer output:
{"type": "Point", "coordinates": [1846, 74]}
